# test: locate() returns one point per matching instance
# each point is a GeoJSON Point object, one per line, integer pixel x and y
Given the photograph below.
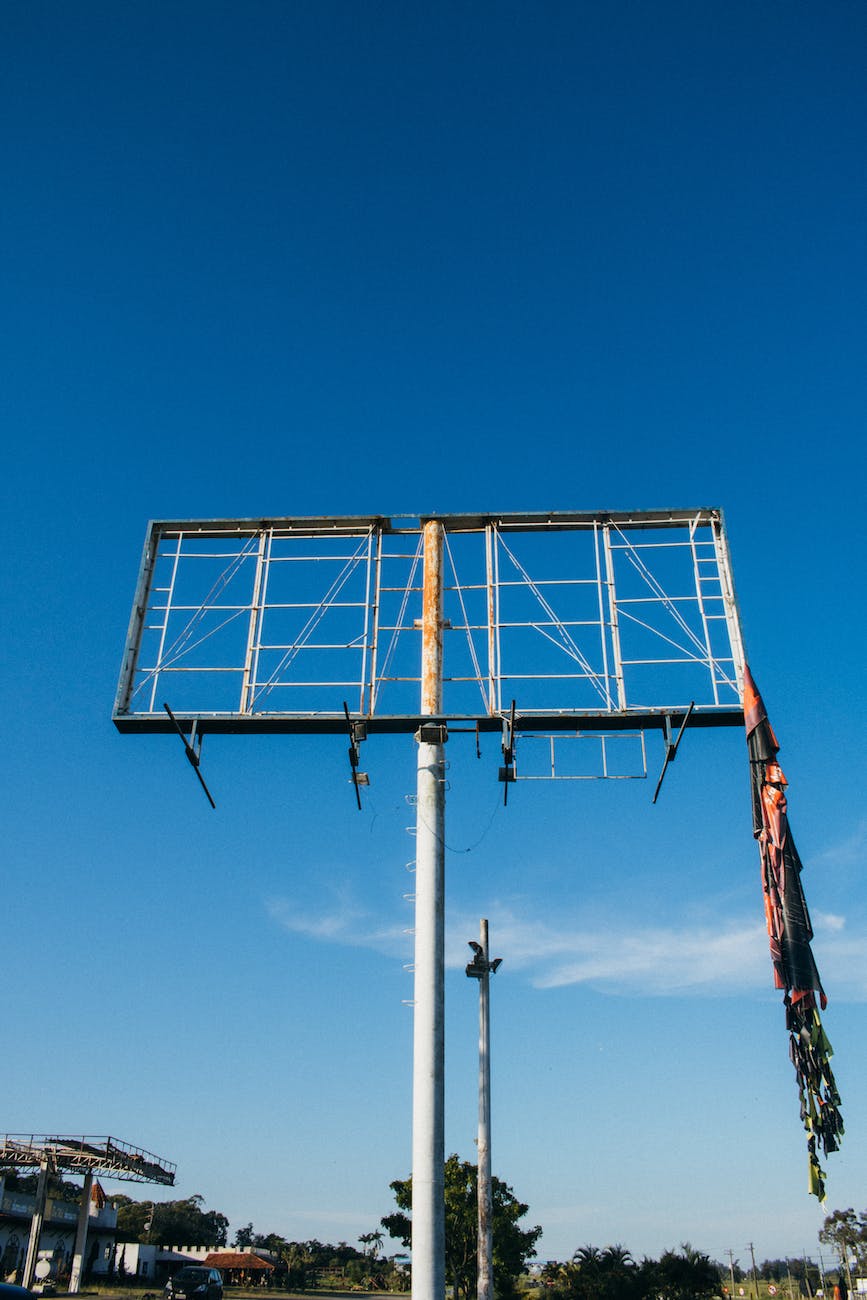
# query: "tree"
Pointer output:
{"type": "Point", "coordinates": [132, 1217]}
{"type": "Point", "coordinates": [271, 1241]}
{"type": "Point", "coordinates": [587, 1257]}
{"type": "Point", "coordinates": [372, 1242]}
{"type": "Point", "coordinates": [513, 1245]}
{"type": "Point", "coordinates": [687, 1274]}
{"type": "Point", "coordinates": [172, 1223]}
{"type": "Point", "coordinates": [846, 1231]}
{"type": "Point", "coordinates": [244, 1237]}
{"type": "Point", "coordinates": [594, 1274]}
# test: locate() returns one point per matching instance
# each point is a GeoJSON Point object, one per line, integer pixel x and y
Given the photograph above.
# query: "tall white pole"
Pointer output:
{"type": "Point", "coordinates": [485, 1197]}
{"type": "Point", "coordinates": [428, 1140]}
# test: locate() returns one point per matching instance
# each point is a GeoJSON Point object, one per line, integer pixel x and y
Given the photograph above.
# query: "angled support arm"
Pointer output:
{"type": "Point", "coordinates": [192, 749]}
{"type": "Point", "coordinates": [670, 745]}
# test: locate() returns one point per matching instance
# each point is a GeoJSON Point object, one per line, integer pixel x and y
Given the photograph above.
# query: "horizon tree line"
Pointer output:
{"type": "Point", "coordinates": [592, 1273]}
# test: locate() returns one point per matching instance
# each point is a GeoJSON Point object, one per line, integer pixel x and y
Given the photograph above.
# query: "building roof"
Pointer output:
{"type": "Point", "coordinates": [235, 1259]}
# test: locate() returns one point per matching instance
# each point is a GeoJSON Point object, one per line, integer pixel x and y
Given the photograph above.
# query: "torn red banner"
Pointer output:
{"type": "Point", "coordinates": [790, 934]}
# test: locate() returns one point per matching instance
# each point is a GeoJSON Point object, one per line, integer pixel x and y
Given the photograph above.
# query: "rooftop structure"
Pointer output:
{"type": "Point", "coordinates": [107, 1156]}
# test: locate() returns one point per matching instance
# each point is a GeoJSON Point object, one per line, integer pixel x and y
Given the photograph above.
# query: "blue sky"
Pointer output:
{"type": "Point", "coordinates": [282, 259]}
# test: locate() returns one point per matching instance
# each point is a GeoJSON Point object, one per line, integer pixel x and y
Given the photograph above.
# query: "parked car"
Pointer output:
{"type": "Point", "coordinates": [194, 1282]}
{"type": "Point", "coordinates": [10, 1292]}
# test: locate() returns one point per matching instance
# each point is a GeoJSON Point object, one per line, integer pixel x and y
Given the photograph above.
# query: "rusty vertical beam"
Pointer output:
{"type": "Point", "coordinates": [493, 670]}
{"type": "Point", "coordinates": [428, 1141]}
{"type": "Point", "coordinates": [432, 620]}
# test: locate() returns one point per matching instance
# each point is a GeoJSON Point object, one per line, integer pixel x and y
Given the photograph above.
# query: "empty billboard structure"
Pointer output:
{"type": "Point", "coordinates": [565, 627]}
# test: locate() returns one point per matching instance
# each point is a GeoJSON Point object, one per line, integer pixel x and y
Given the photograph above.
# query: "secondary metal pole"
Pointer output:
{"type": "Point", "coordinates": [485, 1200]}
{"type": "Point", "coordinates": [428, 1129]}
{"type": "Point", "coordinates": [81, 1235]}
{"type": "Point", "coordinates": [36, 1224]}
{"type": "Point", "coordinates": [481, 968]}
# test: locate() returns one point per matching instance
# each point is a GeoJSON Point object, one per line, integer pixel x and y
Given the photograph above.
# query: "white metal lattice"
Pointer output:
{"type": "Point", "coordinates": [592, 619]}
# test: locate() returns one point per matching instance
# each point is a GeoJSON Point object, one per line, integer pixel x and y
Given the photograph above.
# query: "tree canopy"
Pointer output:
{"type": "Point", "coordinates": [846, 1231]}
{"type": "Point", "coordinates": [612, 1274]}
{"type": "Point", "coordinates": [177, 1223]}
{"type": "Point", "coordinates": [512, 1245]}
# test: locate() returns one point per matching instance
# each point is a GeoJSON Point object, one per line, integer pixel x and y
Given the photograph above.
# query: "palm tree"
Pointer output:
{"type": "Point", "coordinates": [588, 1257]}
{"type": "Point", "coordinates": [372, 1242]}
{"type": "Point", "coordinates": [616, 1258]}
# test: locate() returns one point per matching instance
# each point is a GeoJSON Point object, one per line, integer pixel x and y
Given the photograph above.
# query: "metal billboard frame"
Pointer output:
{"type": "Point", "coordinates": [695, 631]}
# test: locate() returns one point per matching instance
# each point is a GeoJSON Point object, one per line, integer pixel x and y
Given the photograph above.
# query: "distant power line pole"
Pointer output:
{"type": "Point", "coordinates": [482, 969]}
{"type": "Point", "coordinates": [822, 1272]}
{"type": "Point", "coordinates": [755, 1271]}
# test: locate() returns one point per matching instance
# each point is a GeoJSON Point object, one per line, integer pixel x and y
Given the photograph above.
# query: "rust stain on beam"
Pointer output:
{"type": "Point", "coordinates": [431, 619]}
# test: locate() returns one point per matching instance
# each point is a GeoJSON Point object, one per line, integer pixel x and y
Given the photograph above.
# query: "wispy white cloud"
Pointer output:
{"type": "Point", "coordinates": [842, 958]}
{"type": "Point", "coordinates": [827, 921]}
{"type": "Point", "coordinates": [343, 923]}
{"type": "Point", "coordinates": [619, 956]}
{"type": "Point", "coordinates": [614, 955]}
{"type": "Point", "coordinates": [848, 852]}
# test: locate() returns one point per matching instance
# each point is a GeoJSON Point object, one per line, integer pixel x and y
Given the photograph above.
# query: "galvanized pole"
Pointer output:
{"type": "Point", "coordinates": [81, 1235]}
{"type": "Point", "coordinates": [428, 1140]}
{"type": "Point", "coordinates": [486, 1206]}
{"type": "Point", "coordinates": [481, 969]}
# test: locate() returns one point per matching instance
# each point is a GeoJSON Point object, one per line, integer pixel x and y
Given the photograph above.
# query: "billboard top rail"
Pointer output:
{"type": "Point", "coordinates": [356, 525]}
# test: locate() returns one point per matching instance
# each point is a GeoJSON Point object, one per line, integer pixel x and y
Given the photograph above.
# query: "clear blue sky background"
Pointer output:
{"type": "Point", "coordinates": [273, 258]}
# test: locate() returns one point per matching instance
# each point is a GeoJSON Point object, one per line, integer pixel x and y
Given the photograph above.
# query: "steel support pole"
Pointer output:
{"type": "Point", "coordinates": [81, 1235]}
{"type": "Point", "coordinates": [428, 1141]}
{"type": "Point", "coordinates": [36, 1225]}
{"type": "Point", "coordinates": [486, 1207]}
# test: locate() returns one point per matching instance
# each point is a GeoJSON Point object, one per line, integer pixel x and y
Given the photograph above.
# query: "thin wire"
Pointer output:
{"type": "Point", "coordinates": [398, 628]}
{"type": "Point", "coordinates": [469, 849]}
{"type": "Point", "coordinates": [656, 587]}
{"type": "Point", "coordinates": [568, 644]}
{"type": "Point", "coordinates": [706, 656]}
{"type": "Point", "coordinates": [485, 702]}
{"type": "Point", "coordinates": [179, 645]}
{"type": "Point", "coordinates": [648, 627]}
{"type": "Point", "coordinates": [165, 664]}
{"type": "Point", "coordinates": [264, 688]}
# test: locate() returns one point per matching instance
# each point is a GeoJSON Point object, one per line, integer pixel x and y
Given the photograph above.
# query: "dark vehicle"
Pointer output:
{"type": "Point", "coordinates": [10, 1292]}
{"type": "Point", "coordinates": [194, 1282]}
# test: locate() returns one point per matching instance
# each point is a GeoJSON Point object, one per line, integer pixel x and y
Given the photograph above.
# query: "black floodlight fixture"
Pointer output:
{"type": "Point", "coordinates": [479, 966]}
{"type": "Point", "coordinates": [357, 729]}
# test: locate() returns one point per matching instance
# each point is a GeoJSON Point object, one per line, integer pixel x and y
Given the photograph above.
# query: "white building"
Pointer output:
{"type": "Point", "coordinates": [58, 1231]}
